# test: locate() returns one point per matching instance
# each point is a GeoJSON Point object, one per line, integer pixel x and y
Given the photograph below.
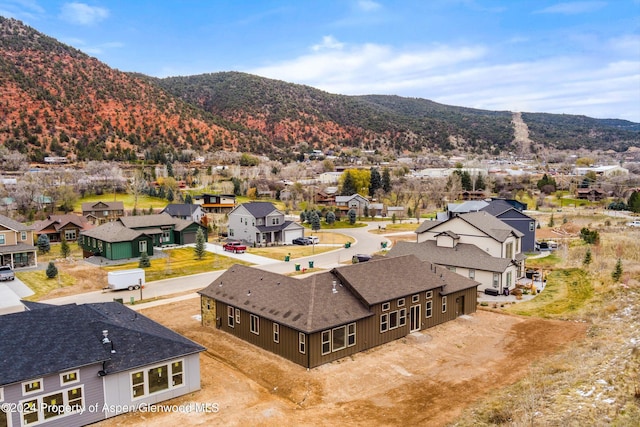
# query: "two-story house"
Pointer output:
{"type": "Point", "coordinates": [100, 212]}
{"type": "Point", "coordinates": [355, 201]}
{"type": "Point", "coordinates": [73, 365]}
{"type": "Point", "coordinates": [185, 211]}
{"type": "Point", "coordinates": [16, 244]}
{"type": "Point", "coordinates": [335, 314]}
{"type": "Point", "coordinates": [484, 231]}
{"type": "Point", "coordinates": [261, 223]}
{"type": "Point", "coordinates": [216, 203]}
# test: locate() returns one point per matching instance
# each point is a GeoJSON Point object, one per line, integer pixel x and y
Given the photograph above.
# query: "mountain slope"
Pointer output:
{"type": "Point", "coordinates": [58, 101]}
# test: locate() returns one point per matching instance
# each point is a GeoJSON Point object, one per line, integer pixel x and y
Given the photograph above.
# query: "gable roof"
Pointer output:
{"type": "Point", "coordinates": [57, 222]}
{"type": "Point", "coordinates": [468, 206]}
{"type": "Point", "coordinates": [306, 305]}
{"type": "Point", "coordinates": [498, 207]}
{"type": "Point", "coordinates": [427, 225]}
{"type": "Point", "coordinates": [258, 209]}
{"type": "Point", "coordinates": [112, 206]}
{"type": "Point", "coordinates": [490, 225]}
{"type": "Point", "coordinates": [181, 209]}
{"type": "Point", "coordinates": [13, 224]}
{"type": "Point", "coordinates": [155, 220]}
{"type": "Point", "coordinates": [112, 232]}
{"type": "Point", "coordinates": [464, 255]}
{"type": "Point", "coordinates": [52, 339]}
{"type": "Point", "coordinates": [385, 279]}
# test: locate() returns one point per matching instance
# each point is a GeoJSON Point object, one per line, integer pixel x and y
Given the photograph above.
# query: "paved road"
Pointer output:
{"type": "Point", "coordinates": [366, 242]}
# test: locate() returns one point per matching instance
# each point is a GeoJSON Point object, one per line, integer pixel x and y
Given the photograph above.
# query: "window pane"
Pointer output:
{"type": "Point", "coordinates": [52, 405]}
{"type": "Point", "coordinates": [74, 397]}
{"type": "Point", "coordinates": [339, 338]}
{"type": "Point", "coordinates": [158, 379]}
{"type": "Point", "coordinates": [393, 320]}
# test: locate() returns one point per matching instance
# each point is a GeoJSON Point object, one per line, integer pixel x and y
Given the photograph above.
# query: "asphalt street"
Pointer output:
{"type": "Point", "coordinates": [365, 242]}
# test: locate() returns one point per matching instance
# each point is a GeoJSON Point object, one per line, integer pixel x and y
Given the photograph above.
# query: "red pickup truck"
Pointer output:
{"type": "Point", "coordinates": [235, 247]}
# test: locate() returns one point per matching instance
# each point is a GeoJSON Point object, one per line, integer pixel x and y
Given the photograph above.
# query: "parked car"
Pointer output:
{"type": "Point", "coordinates": [360, 258]}
{"type": "Point", "coordinates": [235, 247]}
{"type": "Point", "coordinates": [634, 223]}
{"type": "Point", "coordinates": [6, 273]}
{"type": "Point", "coordinates": [301, 241]}
{"type": "Point", "coordinates": [314, 239]}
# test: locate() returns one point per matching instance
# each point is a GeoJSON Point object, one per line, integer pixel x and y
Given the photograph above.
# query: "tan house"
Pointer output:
{"type": "Point", "coordinates": [16, 244]}
{"type": "Point", "coordinates": [57, 227]}
{"type": "Point", "coordinates": [492, 236]}
{"type": "Point", "coordinates": [100, 212]}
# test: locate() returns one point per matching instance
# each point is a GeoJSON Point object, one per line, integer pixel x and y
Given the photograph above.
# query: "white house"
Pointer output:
{"type": "Point", "coordinates": [261, 223]}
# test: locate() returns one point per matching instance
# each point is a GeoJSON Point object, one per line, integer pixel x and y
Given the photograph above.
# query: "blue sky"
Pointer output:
{"type": "Point", "coordinates": [573, 57]}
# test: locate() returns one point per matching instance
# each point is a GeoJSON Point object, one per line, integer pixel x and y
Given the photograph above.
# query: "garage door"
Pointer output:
{"type": "Point", "coordinates": [188, 238]}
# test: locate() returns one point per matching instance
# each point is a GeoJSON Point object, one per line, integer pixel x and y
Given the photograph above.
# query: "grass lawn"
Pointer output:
{"type": "Point", "coordinates": [337, 225]}
{"type": "Point", "coordinates": [295, 251]}
{"type": "Point", "coordinates": [180, 262]}
{"type": "Point", "coordinates": [547, 262]}
{"type": "Point", "coordinates": [567, 291]}
{"type": "Point", "coordinates": [144, 201]}
{"type": "Point", "coordinates": [42, 285]}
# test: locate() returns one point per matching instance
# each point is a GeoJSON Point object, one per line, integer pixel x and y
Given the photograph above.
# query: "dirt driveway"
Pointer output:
{"type": "Point", "coordinates": [420, 380]}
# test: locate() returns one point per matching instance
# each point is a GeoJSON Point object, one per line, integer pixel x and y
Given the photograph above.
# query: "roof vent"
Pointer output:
{"type": "Point", "coordinates": [220, 285]}
{"type": "Point", "coordinates": [249, 293]}
{"type": "Point", "coordinates": [334, 290]}
{"type": "Point", "coordinates": [105, 337]}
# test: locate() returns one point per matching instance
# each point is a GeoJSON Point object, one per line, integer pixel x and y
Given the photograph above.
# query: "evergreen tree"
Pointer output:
{"type": "Point", "coordinates": [352, 216]}
{"type": "Point", "coordinates": [150, 210]}
{"type": "Point", "coordinates": [587, 258]}
{"type": "Point", "coordinates": [617, 272]}
{"type": "Point", "coordinates": [188, 199]}
{"type": "Point", "coordinates": [314, 220]}
{"type": "Point", "coordinates": [634, 202]}
{"type": "Point", "coordinates": [199, 249]}
{"type": "Point", "coordinates": [144, 260]}
{"type": "Point", "coordinates": [330, 218]}
{"type": "Point", "coordinates": [43, 244]}
{"type": "Point", "coordinates": [52, 270]}
{"type": "Point", "coordinates": [303, 216]}
{"type": "Point", "coordinates": [348, 185]}
{"type": "Point", "coordinates": [480, 184]}
{"type": "Point", "coordinates": [386, 180]}
{"type": "Point", "coordinates": [170, 195]}
{"type": "Point", "coordinates": [375, 182]}
{"type": "Point", "coordinates": [237, 186]}
{"type": "Point", "coordinates": [551, 221]}
{"type": "Point", "coordinates": [65, 250]}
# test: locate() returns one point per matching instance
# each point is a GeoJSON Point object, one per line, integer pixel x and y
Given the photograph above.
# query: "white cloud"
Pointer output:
{"type": "Point", "coordinates": [82, 14]}
{"type": "Point", "coordinates": [328, 42]}
{"type": "Point", "coordinates": [462, 75]}
{"type": "Point", "coordinates": [368, 5]}
{"type": "Point", "coordinates": [572, 8]}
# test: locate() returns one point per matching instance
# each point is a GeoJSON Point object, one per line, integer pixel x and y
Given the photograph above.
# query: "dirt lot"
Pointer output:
{"type": "Point", "coordinates": [426, 379]}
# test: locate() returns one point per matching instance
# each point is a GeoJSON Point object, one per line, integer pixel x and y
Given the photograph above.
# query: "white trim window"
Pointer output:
{"type": "Point", "coordinates": [56, 405]}
{"type": "Point", "coordinates": [351, 334]}
{"type": "Point", "coordinates": [230, 316]}
{"type": "Point", "coordinates": [393, 320]}
{"type": "Point", "coordinates": [472, 274]}
{"type": "Point", "coordinates": [237, 316]}
{"type": "Point", "coordinates": [386, 306]}
{"type": "Point", "coordinates": [326, 342]}
{"type": "Point", "coordinates": [157, 379]}
{"type": "Point", "coordinates": [400, 302]}
{"type": "Point", "coordinates": [338, 338]}
{"type": "Point", "coordinates": [276, 332]}
{"type": "Point", "coordinates": [31, 387]}
{"type": "Point", "coordinates": [255, 324]}
{"type": "Point", "coordinates": [69, 377]}
{"type": "Point", "coordinates": [23, 235]}
{"type": "Point", "coordinates": [384, 322]}
{"type": "Point", "coordinates": [444, 304]}
{"type": "Point", "coordinates": [403, 317]}
{"type": "Point", "coordinates": [415, 299]}
{"type": "Point", "coordinates": [428, 295]}
{"type": "Point", "coordinates": [302, 343]}
{"type": "Point", "coordinates": [1, 394]}
{"type": "Point", "coordinates": [428, 309]}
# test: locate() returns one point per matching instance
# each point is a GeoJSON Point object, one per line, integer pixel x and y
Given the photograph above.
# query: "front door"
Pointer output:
{"type": "Point", "coordinates": [459, 306]}
{"type": "Point", "coordinates": [414, 314]}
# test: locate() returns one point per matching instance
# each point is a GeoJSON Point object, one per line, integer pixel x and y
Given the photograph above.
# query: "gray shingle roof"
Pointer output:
{"type": "Point", "coordinates": [490, 225]}
{"type": "Point", "coordinates": [52, 339]}
{"type": "Point", "coordinates": [259, 209]}
{"type": "Point", "coordinates": [427, 225]}
{"type": "Point", "coordinates": [13, 224]}
{"type": "Point", "coordinates": [463, 255]}
{"type": "Point", "coordinates": [141, 221]}
{"type": "Point", "coordinates": [113, 232]}
{"type": "Point", "coordinates": [306, 305]}
{"type": "Point", "coordinates": [111, 206]}
{"type": "Point", "coordinates": [180, 209]}
{"type": "Point", "coordinates": [389, 278]}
